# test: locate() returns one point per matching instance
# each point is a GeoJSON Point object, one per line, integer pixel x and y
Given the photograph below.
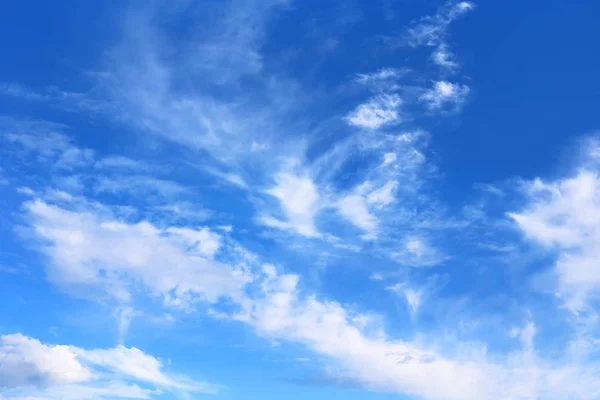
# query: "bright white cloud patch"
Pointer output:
{"type": "Point", "coordinates": [94, 254]}
{"type": "Point", "coordinates": [444, 58]}
{"type": "Point", "coordinates": [564, 216]}
{"type": "Point", "coordinates": [379, 111]}
{"type": "Point", "coordinates": [361, 206]}
{"type": "Point", "coordinates": [359, 350]}
{"type": "Point", "coordinates": [68, 372]}
{"type": "Point", "coordinates": [445, 95]}
{"type": "Point", "coordinates": [25, 361]}
{"type": "Point", "coordinates": [299, 200]}
{"type": "Point", "coordinates": [355, 209]}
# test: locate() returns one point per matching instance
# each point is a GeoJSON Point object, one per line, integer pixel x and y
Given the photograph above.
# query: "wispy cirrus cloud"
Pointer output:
{"type": "Point", "coordinates": [432, 31]}
{"type": "Point", "coordinates": [362, 188]}
{"type": "Point", "coordinates": [359, 350]}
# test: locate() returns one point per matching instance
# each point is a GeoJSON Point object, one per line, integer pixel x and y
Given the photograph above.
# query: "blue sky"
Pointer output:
{"type": "Point", "coordinates": [270, 199]}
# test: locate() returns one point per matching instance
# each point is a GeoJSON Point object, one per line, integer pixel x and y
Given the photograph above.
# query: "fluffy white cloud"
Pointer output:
{"type": "Point", "coordinates": [299, 200]}
{"type": "Point", "coordinates": [379, 111]}
{"type": "Point", "coordinates": [25, 361]}
{"type": "Point", "coordinates": [564, 216]}
{"type": "Point", "coordinates": [445, 94]}
{"type": "Point", "coordinates": [31, 369]}
{"type": "Point", "coordinates": [91, 253]}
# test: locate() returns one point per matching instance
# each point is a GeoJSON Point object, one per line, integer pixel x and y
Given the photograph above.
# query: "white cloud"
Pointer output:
{"type": "Point", "coordinates": [359, 207]}
{"type": "Point", "coordinates": [121, 162]}
{"type": "Point", "coordinates": [444, 58]}
{"type": "Point", "coordinates": [445, 94]}
{"type": "Point", "coordinates": [134, 363]}
{"type": "Point", "coordinates": [25, 361]}
{"type": "Point", "coordinates": [91, 391]}
{"type": "Point", "coordinates": [355, 209]}
{"type": "Point", "coordinates": [258, 146]}
{"type": "Point", "coordinates": [432, 30]}
{"type": "Point", "coordinates": [389, 158]}
{"type": "Point", "coordinates": [203, 241]}
{"type": "Point", "coordinates": [299, 200]}
{"type": "Point", "coordinates": [14, 89]}
{"type": "Point", "coordinates": [417, 252]}
{"type": "Point", "coordinates": [228, 177]}
{"type": "Point", "coordinates": [358, 349]}
{"type": "Point", "coordinates": [220, 50]}
{"type": "Point", "coordinates": [31, 368]}
{"type": "Point", "coordinates": [414, 297]}
{"type": "Point", "coordinates": [564, 216]}
{"type": "Point", "coordinates": [41, 137]}
{"type": "Point", "coordinates": [92, 254]}
{"type": "Point", "coordinates": [125, 315]}
{"type": "Point", "coordinates": [137, 185]}
{"type": "Point", "coordinates": [383, 76]}
{"type": "Point", "coordinates": [384, 195]}
{"type": "Point", "coordinates": [379, 111]}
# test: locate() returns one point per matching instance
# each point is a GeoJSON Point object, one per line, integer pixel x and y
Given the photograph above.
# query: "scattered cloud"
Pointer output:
{"type": "Point", "coordinates": [383, 78]}
{"type": "Point", "coordinates": [377, 112]}
{"type": "Point", "coordinates": [417, 252]}
{"type": "Point", "coordinates": [444, 58]}
{"type": "Point", "coordinates": [432, 30]}
{"type": "Point", "coordinates": [445, 95]}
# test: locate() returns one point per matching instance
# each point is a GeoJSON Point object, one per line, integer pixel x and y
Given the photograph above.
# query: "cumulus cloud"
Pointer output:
{"type": "Point", "coordinates": [564, 216]}
{"type": "Point", "coordinates": [92, 253]}
{"type": "Point", "coordinates": [31, 369]}
{"type": "Point", "coordinates": [27, 361]}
